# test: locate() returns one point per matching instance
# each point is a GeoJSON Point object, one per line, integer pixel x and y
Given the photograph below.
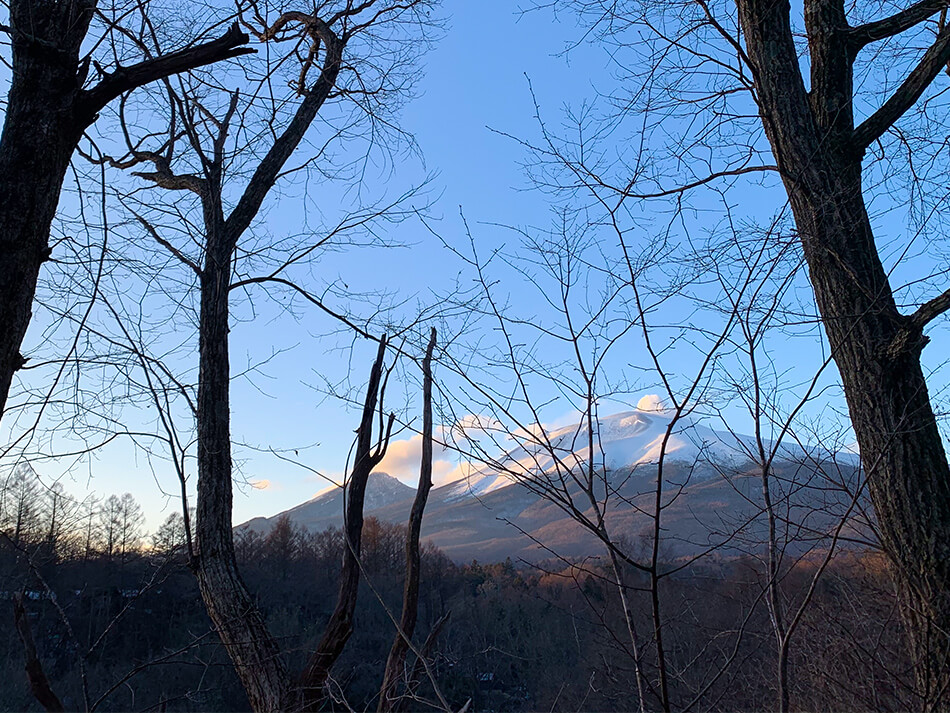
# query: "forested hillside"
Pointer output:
{"type": "Point", "coordinates": [128, 632]}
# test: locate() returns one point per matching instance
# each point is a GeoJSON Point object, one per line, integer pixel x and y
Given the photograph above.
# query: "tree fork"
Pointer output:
{"type": "Point", "coordinates": [813, 139]}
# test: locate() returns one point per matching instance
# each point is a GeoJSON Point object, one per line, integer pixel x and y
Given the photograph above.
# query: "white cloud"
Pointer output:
{"type": "Point", "coordinates": [651, 402]}
{"type": "Point", "coordinates": [403, 458]}
{"type": "Point", "coordinates": [442, 472]}
{"type": "Point", "coordinates": [262, 484]}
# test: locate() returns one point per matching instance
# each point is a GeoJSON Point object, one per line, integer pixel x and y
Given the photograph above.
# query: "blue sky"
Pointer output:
{"type": "Point", "coordinates": [476, 79]}
{"type": "Point", "coordinates": [476, 85]}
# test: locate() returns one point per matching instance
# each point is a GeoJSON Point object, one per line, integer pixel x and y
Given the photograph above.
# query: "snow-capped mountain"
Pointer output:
{"type": "Point", "coordinates": [491, 515]}
{"type": "Point", "coordinates": [623, 440]}
{"type": "Point", "coordinates": [327, 508]}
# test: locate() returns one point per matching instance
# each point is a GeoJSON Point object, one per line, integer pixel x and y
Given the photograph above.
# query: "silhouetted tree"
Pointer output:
{"type": "Point", "coordinates": [120, 526]}
{"type": "Point", "coordinates": [845, 103]}
{"type": "Point", "coordinates": [55, 93]}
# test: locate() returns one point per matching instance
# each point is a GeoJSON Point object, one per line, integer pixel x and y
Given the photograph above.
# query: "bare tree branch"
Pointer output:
{"type": "Point", "coordinates": [273, 162]}
{"type": "Point", "coordinates": [907, 94]}
{"type": "Point", "coordinates": [124, 79]}
{"type": "Point", "coordinates": [867, 33]}
{"type": "Point", "coordinates": [930, 310]}
{"type": "Point", "coordinates": [310, 298]}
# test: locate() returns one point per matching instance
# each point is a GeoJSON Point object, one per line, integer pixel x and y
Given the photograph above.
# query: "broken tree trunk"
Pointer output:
{"type": "Point", "coordinates": [395, 673]}
{"type": "Point", "coordinates": [313, 679]}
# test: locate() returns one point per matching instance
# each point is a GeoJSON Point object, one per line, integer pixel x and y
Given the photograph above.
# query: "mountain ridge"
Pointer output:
{"type": "Point", "coordinates": [491, 515]}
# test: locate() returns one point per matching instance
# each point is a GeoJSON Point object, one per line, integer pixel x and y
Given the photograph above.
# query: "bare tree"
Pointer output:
{"type": "Point", "coordinates": [819, 152]}
{"type": "Point", "coordinates": [599, 307]}
{"type": "Point", "coordinates": [120, 527]}
{"type": "Point", "coordinates": [354, 62]}
{"type": "Point", "coordinates": [861, 118]}
{"type": "Point", "coordinates": [52, 99]}
{"type": "Point", "coordinates": [611, 311]}
{"type": "Point", "coordinates": [20, 504]}
{"type": "Point", "coordinates": [795, 530]}
{"type": "Point", "coordinates": [170, 538]}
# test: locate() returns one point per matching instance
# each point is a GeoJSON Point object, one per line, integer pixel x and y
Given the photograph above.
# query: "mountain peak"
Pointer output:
{"type": "Point", "coordinates": [627, 439]}
{"type": "Point", "coordinates": [382, 489]}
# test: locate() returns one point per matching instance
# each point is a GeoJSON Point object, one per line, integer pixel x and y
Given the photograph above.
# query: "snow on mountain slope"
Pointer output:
{"type": "Point", "coordinates": [622, 440]}
{"type": "Point", "coordinates": [494, 524]}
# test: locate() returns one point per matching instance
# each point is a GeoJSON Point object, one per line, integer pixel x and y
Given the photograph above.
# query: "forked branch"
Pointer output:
{"type": "Point", "coordinates": [313, 680]}
{"type": "Point", "coordinates": [912, 332]}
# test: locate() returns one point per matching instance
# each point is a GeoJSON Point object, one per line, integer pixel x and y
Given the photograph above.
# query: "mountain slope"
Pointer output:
{"type": "Point", "coordinates": [327, 509]}
{"type": "Point", "coordinates": [489, 516]}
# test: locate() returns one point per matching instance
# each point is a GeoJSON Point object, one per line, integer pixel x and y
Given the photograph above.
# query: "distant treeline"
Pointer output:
{"type": "Point", "coordinates": [119, 624]}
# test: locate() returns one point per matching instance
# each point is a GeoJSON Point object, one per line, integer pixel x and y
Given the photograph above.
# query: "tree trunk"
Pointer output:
{"type": "Point", "coordinates": [901, 448]}
{"type": "Point", "coordinates": [239, 623]}
{"type": "Point", "coordinates": [812, 137]}
{"type": "Point", "coordinates": [395, 673]}
{"type": "Point", "coordinates": [40, 132]}
{"type": "Point", "coordinates": [314, 677]}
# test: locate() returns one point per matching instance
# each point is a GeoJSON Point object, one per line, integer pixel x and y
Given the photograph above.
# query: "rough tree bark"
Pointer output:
{"type": "Point", "coordinates": [253, 650]}
{"type": "Point", "coordinates": [395, 664]}
{"type": "Point", "coordinates": [47, 112]}
{"type": "Point", "coordinates": [877, 348]}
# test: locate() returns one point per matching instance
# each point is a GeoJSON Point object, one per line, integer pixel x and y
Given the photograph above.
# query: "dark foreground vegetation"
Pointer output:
{"type": "Point", "coordinates": [128, 630]}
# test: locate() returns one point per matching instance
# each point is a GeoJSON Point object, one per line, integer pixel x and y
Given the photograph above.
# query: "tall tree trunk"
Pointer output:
{"type": "Point", "coordinates": [876, 348]}
{"type": "Point", "coordinates": [40, 131]}
{"type": "Point", "coordinates": [901, 448]}
{"type": "Point", "coordinates": [395, 673]}
{"type": "Point", "coordinates": [254, 652]}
